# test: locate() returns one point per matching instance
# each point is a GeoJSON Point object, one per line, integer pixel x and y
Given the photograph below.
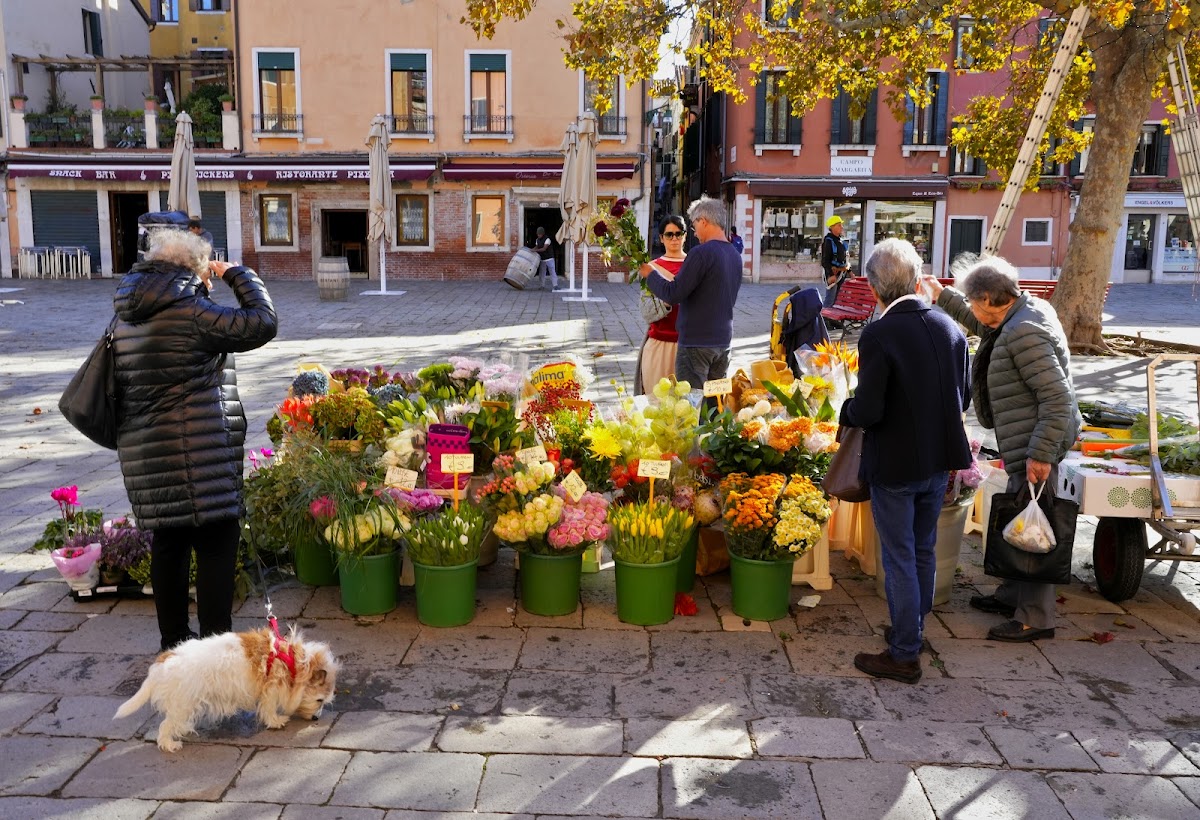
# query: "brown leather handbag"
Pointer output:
{"type": "Point", "coordinates": [842, 481]}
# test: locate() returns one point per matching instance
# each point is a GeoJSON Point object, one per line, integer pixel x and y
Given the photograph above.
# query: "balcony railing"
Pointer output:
{"type": "Point", "coordinates": [610, 125]}
{"type": "Point", "coordinates": [204, 134]}
{"type": "Point", "coordinates": [278, 123]}
{"type": "Point", "coordinates": [59, 130]}
{"type": "Point", "coordinates": [412, 124]}
{"type": "Point", "coordinates": [487, 124]}
{"type": "Point", "coordinates": [124, 130]}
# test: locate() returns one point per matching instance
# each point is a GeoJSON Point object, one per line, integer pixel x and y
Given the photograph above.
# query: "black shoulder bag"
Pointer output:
{"type": "Point", "coordinates": [90, 401]}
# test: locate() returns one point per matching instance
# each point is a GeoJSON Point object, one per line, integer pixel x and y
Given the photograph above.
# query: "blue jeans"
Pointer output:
{"type": "Point", "coordinates": [906, 517]}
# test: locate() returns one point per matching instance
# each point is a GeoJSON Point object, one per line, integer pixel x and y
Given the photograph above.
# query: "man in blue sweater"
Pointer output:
{"type": "Point", "coordinates": [706, 290]}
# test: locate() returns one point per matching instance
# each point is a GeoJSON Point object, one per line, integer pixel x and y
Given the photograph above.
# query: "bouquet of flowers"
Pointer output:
{"type": "Point", "coordinates": [71, 520]}
{"type": "Point", "coordinates": [649, 533]}
{"type": "Point", "coordinates": [803, 508]}
{"type": "Point", "coordinates": [620, 238]}
{"type": "Point", "coordinates": [581, 524]}
{"type": "Point", "coordinates": [449, 538]}
{"type": "Point", "coordinates": [524, 502]}
{"type": "Point", "coordinates": [772, 517]}
{"type": "Point", "coordinates": [78, 562]}
{"type": "Point", "coordinates": [123, 546]}
{"type": "Point", "coordinates": [963, 483]}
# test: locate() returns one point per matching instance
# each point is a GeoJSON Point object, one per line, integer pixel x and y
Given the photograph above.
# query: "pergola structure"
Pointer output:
{"type": "Point", "coordinates": [99, 65]}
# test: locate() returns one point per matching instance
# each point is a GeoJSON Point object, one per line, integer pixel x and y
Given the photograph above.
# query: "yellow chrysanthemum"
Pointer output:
{"type": "Point", "coordinates": [603, 443]}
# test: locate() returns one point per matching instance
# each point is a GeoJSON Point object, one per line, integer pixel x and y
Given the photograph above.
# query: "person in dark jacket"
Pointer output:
{"type": "Point", "coordinates": [913, 386]}
{"type": "Point", "coordinates": [182, 427]}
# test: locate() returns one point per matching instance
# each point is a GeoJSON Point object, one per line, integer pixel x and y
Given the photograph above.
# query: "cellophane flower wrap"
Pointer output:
{"type": "Point", "coordinates": [962, 484]}
{"type": "Point", "coordinates": [75, 562]}
{"type": "Point", "coordinates": [523, 499]}
{"type": "Point", "coordinates": [581, 524]}
{"type": "Point", "coordinates": [649, 532]}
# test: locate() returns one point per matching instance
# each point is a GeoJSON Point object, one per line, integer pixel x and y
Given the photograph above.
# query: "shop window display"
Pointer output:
{"type": "Point", "coordinates": [912, 221]}
{"type": "Point", "coordinates": [1179, 255]}
{"type": "Point", "coordinates": [791, 229]}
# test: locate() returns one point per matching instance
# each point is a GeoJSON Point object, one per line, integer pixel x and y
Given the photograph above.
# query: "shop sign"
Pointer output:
{"type": "Point", "coordinates": [162, 173]}
{"type": "Point", "coordinates": [1160, 202]}
{"type": "Point", "coordinates": [851, 166]}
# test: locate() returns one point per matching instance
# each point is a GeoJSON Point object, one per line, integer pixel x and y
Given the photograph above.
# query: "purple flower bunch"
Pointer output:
{"type": "Point", "coordinates": [415, 502]}
{"type": "Point", "coordinates": [371, 379]}
{"type": "Point", "coordinates": [582, 522]}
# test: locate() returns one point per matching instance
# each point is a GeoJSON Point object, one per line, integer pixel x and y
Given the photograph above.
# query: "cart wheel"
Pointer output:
{"type": "Point", "coordinates": [1118, 557]}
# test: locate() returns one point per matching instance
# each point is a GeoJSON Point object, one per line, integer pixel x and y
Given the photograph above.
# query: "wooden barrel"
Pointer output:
{"type": "Point", "coordinates": [333, 278]}
{"type": "Point", "coordinates": [522, 268]}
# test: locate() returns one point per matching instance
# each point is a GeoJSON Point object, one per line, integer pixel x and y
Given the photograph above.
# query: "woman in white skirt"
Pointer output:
{"type": "Point", "coordinates": [656, 359]}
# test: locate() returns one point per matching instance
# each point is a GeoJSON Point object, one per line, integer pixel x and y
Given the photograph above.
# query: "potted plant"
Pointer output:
{"type": "Point", "coordinates": [445, 553]}
{"type": "Point", "coordinates": [151, 102]}
{"type": "Point", "coordinates": [71, 521]}
{"type": "Point", "coordinates": [348, 420]}
{"type": "Point", "coordinates": [18, 101]}
{"type": "Point", "coordinates": [770, 521]}
{"type": "Point", "coordinates": [647, 539]}
{"type": "Point", "coordinates": [226, 101]}
{"type": "Point", "coordinates": [123, 546]}
{"type": "Point", "coordinates": [97, 102]}
{"type": "Point", "coordinates": [78, 561]}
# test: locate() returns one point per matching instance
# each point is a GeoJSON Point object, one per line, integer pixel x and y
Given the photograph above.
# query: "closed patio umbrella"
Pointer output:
{"type": "Point", "coordinates": [184, 193]}
{"type": "Point", "coordinates": [381, 212]}
{"type": "Point", "coordinates": [571, 231]}
{"type": "Point", "coordinates": [585, 192]}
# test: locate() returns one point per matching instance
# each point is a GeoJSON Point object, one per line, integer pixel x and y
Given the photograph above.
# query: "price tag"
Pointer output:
{"type": "Point", "coordinates": [401, 478]}
{"type": "Point", "coordinates": [579, 405]}
{"type": "Point", "coordinates": [574, 485]}
{"type": "Point", "coordinates": [657, 468]}
{"type": "Point", "coordinates": [806, 388]}
{"type": "Point", "coordinates": [495, 405]}
{"type": "Point", "coordinates": [532, 455]}
{"type": "Point", "coordinates": [718, 387]}
{"type": "Point", "coordinates": [458, 463]}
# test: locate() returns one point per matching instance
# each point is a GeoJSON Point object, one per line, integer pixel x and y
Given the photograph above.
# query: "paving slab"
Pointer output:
{"type": "Point", "coordinates": [219, 811]}
{"type": "Point", "coordinates": [441, 691]}
{"type": "Point", "coordinates": [1081, 600]}
{"type": "Point", "coordinates": [17, 646]}
{"type": "Point", "coordinates": [706, 618]}
{"type": "Point", "coordinates": [47, 621]}
{"type": "Point", "coordinates": [538, 784]}
{"type": "Point", "coordinates": [362, 648]}
{"type": "Point", "coordinates": [1050, 705]}
{"type": "Point", "coordinates": [17, 708]}
{"type": "Point", "coordinates": [806, 737]}
{"type": "Point", "coordinates": [857, 789]}
{"type": "Point", "coordinates": [686, 654]}
{"type": "Point", "coordinates": [41, 808]}
{"type": "Point", "coordinates": [830, 654]}
{"type": "Point", "coordinates": [567, 694]}
{"type": "Point", "coordinates": [466, 647]}
{"type": "Point", "coordinates": [34, 597]}
{"type": "Point", "coordinates": [287, 602]}
{"type": "Point", "coordinates": [1181, 659]}
{"type": "Point", "coordinates": [333, 813]}
{"type": "Point", "coordinates": [992, 660]}
{"type": "Point", "coordinates": [966, 792]}
{"type": "Point", "coordinates": [950, 701]}
{"type": "Point", "coordinates": [70, 673]}
{"type": "Point", "coordinates": [289, 776]}
{"type": "Point", "coordinates": [1190, 786]}
{"type": "Point", "coordinates": [696, 696]}
{"type": "Point", "coordinates": [200, 771]}
{"type": "Point", "coordinates": [1120, 796]}
{"type": "Point", "coordinates": [971, 625]}
{"type": "Point", "coordinates": [430, 781]}
{"type": "Point", "coordinates": [1173, 707]}
{"type": "Point", "coordinates": [1114, 662]}
{"type": "Point", "coordinates": [404, 814]}
{"type": "Point", "coordinates": [114, 635]}
{"type": "Point", "coordinates": [11, 617]}
{"type": "Point", "coordinates": [719, 737]}
{"type": "Point", "coordinates": [1134, 753]}
{"type": "Point", "coordinates": [1126, 626]}
{"type": "Point", "coordinates": [920, 742]}
{"type": "Point", "coordinates": [831, 620]}
{"type": "Point", "coordinates": [816, 696]}
{"type": "Point", "coordinates": [383, 732]}
{"type": "Point", "coordinates": [245, 729]}
{"type": "Point", "coordinates": [1188, 742]}
{"type": "Point", "coordinates": [1040, 748]}
{"type": "Point", "coordinates": [326, 602]}
{"type": "Point", "coordinates": [84, 716]}
{"type": "Point", "coordinates": [41, 765]}
{"type": "Point", "coordinates": [593, 651]}
{"type": "Point", "coordinates": [531, 734]}
{"type": "Point", "coordinates": [1169, 622]}
{"type": "Point", "coordinates": [707, 789]}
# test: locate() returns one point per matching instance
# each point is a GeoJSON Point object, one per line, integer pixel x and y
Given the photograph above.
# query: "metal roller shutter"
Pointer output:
{"type": "Point", "coordinates": [67, 219]}
{"type": "Point", "coordinates": [212, 209]}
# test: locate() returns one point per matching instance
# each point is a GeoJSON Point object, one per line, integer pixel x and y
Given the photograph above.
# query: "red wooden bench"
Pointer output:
{"type": "Point", "coordinates": [854, 304]}
{"type": "Point", "coordinates": [1041, 288]}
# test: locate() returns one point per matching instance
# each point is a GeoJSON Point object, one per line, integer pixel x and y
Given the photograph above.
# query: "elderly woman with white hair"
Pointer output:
{"type": "Point", "coordinates": [182, 428]}
{"type": "Point", "coordinates": [913, 386]}
{"type": "Point", "coordinates": [1021, 380]}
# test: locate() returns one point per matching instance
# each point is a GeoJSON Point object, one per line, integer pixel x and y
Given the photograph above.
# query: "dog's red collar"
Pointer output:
{"type": "Point", "coordinates": [280, 649]}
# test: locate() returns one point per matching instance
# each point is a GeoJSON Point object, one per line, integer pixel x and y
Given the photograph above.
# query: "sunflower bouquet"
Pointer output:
{"type": "Point", "coordinates": [648, 532]}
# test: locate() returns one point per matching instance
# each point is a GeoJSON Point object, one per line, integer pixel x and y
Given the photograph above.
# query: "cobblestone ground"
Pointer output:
{"type": "Point", "coordinates": [521, 716]}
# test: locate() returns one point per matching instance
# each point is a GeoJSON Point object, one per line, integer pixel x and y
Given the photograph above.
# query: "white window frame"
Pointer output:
{"type": "Point", "coordinates": [258, 112]}
{"type": "Point", "coordinates": [155, 11]}
{"type": "Point", "coordinates": [429, 242]}
{"type": "Point", "coordinates": [759, 147]}
{"type": "Point", "coordinates": [965, 25]}
{"type": "Point", "coordinates": [258, 227]}
{"type": "Point", "coordinates": [469, 135]}
{"type": "Point", "coordinates": [618, 109]}
{"type": "Point", "coordinates": [470, 222]}
{"type": "Point", "coordinates": [1049, 231]}
{"type": "Point", "coordinates": [211, 11]}
{"type": "Point", "coordinates": [910, 148]}
{"type": "Point", "coordinates": [429, 93]}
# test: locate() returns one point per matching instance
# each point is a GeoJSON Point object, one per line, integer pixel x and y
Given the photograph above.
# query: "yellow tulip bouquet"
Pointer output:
{"type": "Point", "coordinates": [648, 532]}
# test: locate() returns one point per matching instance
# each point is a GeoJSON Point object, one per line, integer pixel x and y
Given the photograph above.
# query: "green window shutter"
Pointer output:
{"type": "Point", "coordinates": [282, 60]}
{"type": "Point", "coordinates": [870, 118]}
{"type": "Point", "coordinates": [941, 102]}
{"type": "Point", "coordinates": [760, 109]}
{"type": "Point", "coordinates": [839, 113]}
{"type": "Point", "coordinates": [1162, 152]}
{"type": "Point", "coordinates": [489, 62]}
{"type": "Point", "coordinates": [408, 62]}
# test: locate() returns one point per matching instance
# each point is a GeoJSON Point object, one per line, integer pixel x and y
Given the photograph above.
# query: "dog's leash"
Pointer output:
{"type": "Point", "coordinates": [280, 649]}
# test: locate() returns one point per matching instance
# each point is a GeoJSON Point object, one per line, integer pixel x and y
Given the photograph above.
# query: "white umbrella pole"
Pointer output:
{"type": "Point", "coordinates": [584, 297]}
{"type": "Point", "coordinates": [382, 268]}
{"type": "Point", "coordinates": [570, 271]}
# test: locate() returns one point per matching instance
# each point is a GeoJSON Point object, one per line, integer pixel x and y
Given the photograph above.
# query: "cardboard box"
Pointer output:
{"type": "Point", "coordinates": [1119, 489]}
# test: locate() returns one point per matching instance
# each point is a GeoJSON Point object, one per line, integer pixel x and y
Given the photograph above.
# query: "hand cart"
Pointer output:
{"type": "Point", "coordinates": [1129, 497]}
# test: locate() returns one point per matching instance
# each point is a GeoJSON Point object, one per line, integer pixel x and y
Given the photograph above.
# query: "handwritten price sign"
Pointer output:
{"type": "Point", "coordinates": [654, 469]}
{"type": "Point", "coordinates": [575, 486]}
{"type": "Point", "coordinates": [532, 455]}
{"type": "Point", "coordinates": [458, 463]}
{"type": "Point", "coordinates": [401, 478]}
{"type": "Point", "coordinates": [718, 387]}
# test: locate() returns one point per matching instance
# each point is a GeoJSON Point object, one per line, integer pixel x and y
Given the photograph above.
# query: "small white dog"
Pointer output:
{"type": "Point", "coordinates": [221, 675]}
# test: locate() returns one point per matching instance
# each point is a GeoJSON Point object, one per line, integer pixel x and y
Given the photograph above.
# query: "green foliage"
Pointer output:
{"type": "Point", "coordinates": [494, 430]}
{"type": "Point", "coordinates": [448, 538]}
{"type": "Point", "coordinates": [276, 501]}
{"type": "Point", "coordinates": [58, 530]}
{"type": "Point", "coordinates": [351, 414]}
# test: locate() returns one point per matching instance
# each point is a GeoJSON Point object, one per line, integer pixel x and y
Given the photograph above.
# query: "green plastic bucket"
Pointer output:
{"type": "Point", "coordinates": [685, 576]}
{"type": "Point", "coordinates": [646, 592]}
{"type": "Point", "coordinates": [550, 583]}
{"type": "Point", "coordinates": [314, 563]}
{"type": "Point", "coordinates": [445, 595]}
{"type": "Point", "coordinates": [761, 589]}
{"type": "Point", "coordinates": [369, 584]}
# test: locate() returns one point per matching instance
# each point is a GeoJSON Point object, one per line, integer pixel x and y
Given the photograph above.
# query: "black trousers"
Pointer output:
{"type": "Point", "coordinates": [216, 547]}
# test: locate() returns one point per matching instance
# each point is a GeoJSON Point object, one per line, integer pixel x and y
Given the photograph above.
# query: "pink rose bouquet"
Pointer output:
{"type": "Point", "coordinates": [582, 523]}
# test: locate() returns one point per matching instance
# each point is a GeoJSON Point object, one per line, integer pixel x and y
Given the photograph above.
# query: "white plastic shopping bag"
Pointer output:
{"type": "Point", "coordinates": [1030, 530]}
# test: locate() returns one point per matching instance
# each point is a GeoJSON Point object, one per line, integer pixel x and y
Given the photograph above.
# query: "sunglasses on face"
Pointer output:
{"type": "Point", "coordinates": [672, 234]}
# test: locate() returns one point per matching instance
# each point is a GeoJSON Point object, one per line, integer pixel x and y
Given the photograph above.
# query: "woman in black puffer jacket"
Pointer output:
{"type": "Point", "coordinates": [182, 427]}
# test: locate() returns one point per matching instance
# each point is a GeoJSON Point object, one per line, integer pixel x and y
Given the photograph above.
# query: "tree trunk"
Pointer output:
{"type": "Point", "coordinates": [1122, 88]}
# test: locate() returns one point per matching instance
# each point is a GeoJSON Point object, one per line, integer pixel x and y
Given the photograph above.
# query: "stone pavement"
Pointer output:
{"type": "Point", "coordinates": [521, 716]}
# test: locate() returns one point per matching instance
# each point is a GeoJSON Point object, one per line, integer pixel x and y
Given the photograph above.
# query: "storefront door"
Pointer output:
{"type": "Point", "coordinates": [1139, 253]}
{"type": "Point", "coordinates": [851, 212]}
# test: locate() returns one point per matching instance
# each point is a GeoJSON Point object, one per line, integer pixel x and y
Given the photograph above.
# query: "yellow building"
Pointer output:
{"type": "Point", "coordinates": [189, 28]}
